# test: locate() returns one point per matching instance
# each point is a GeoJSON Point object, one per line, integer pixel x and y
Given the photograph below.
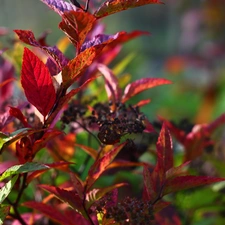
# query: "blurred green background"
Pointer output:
{"type": "Point", "coordinates": [187, 46]}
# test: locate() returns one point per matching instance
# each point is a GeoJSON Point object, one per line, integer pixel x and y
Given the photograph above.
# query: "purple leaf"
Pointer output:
{"type": "Point", "coordinates": [60, 6]}
{"type": "Point", "coordinates": [56, 55]}
{"type": "Point", "coordinates": [97, 40]}
{"type": "Point", "coordinates": [53, 65]}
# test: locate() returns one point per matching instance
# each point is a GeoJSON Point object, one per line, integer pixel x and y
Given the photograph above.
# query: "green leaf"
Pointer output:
{"type": "Point", "coordinates": [25, 168]}
{"type": "Point", "coordinates": [4, 211]}
{"type": "Point", "coordinates": [5, 190]}
{"type": "Point", "coordinates": [6, 140]}
{"type": "Point", "coordinates": [3, 139]}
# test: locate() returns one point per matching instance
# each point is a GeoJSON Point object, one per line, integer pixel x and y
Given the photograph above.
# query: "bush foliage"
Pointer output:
{"type": "Point", "coordinates": [75, 147]}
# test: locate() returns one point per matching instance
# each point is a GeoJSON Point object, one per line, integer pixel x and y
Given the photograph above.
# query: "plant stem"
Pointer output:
{"type": "Point", "coordinates": [89, 218]}
{"type": "Point", "coordinates": [23, 187]}
{"type": "Point", "coordinates": [14, 205]}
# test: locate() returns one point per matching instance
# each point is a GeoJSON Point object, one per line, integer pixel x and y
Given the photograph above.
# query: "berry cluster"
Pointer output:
{"type": "Point", "coordinates": [112, 124]}
{"type": "Point", "coordinates": [131, 211]}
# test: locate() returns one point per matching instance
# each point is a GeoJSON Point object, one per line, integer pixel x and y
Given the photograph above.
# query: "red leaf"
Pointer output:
{"type": "Point", "coordinates": [90, 151]}
{"type": "Point", "coordinates": [150, 192]}
{"type": "Point", "coordinates": [112, 86]}
{"type": "Point", "coordinates": [76, 67]}
{"type": "Point", "coordinates": [216, 123]}
{"type": "Point", "coordinates": [101, 164]}
{"type": "Point", "coordinates": [71, 197]}
{"type": "Point", "coordinates": [141, 85]}
{"type": "Point", "coordinates": [18, 114]}
{"type": "Point", "coordinates": [49, 211]}
{"type": "Point", "coordinates": [177, 171]}
{"type": "Point", "coordinates": [142, 103]}
{"type": "Point", "coordinates": [76, 26]}
{"type": "Point", "coordinates": [77, 184]}
{"type": "Point", "coordinates": [165, 147]}
{"type": "Point", "coordinates": [109, 7]}
{"type": "Point", "coordinates": [37, 83]}
{"type": "Point", "coordinates": [186, 182]}
{"type": "Point", "coordinates": [75, 216]}
{"type": "Point", "coordinates": [164, 158]}
{"type": "Point", "coordinates": [158, 206]}
{"type": "Point", "coordinates": [41, 143]}
{"type": "Point", "coordinates": [27, 37]}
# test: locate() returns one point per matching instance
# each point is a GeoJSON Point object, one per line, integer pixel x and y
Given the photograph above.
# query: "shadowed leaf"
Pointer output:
{"type": "Point", "coordinates": [101, 164]}
{"type": "Point", "coordinates": [4, 211]}
{"type": "Point", "coordinates": [57, 165]}
{"type": "Point", "coordinates": [150, 192]}
{"type": "Point", "coordinates": [77, 184]}
{"type": "Point", "coordinates": [18, 114]}
{"type": "Point", "coordinates": [50, 211]}
{"type": "Point", "coordinates": [65, 99]}
{"type": "Point", "coordinates": [69, 196]}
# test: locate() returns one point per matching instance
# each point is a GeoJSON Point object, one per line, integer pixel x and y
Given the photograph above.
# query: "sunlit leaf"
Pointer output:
{"type": "Point", "coordinates": [165, 147]}
{"type": "Point", "coordinates": [112, 40]}
{"type": "Point", "coordinates": [76, 26]}
{"type": "Point", "coordinates": [76, 67]}
{"type": "Point", "coordinates": [24, 168]}
{"type": "Point", "coordinates": [92, 152]}
{"type": "Point", "coordinates": [141, 85]}
{"type": "Point", "coordinates": [96, 194]}
{"type": "Point", "coordinates": [60, 6]}
{"type": "Point", "coordinates": [50, 211]}
{"type": "Point", "coordinates": [112, 85]}
{"type": "Point", "coordinates": [6, 189]}
{"type": "Point", "coordinates": [37, 83]}
{"type": "Point", "coordinates": [6, 140]}
{"type": "Point", "coordinates": [109, 7]}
